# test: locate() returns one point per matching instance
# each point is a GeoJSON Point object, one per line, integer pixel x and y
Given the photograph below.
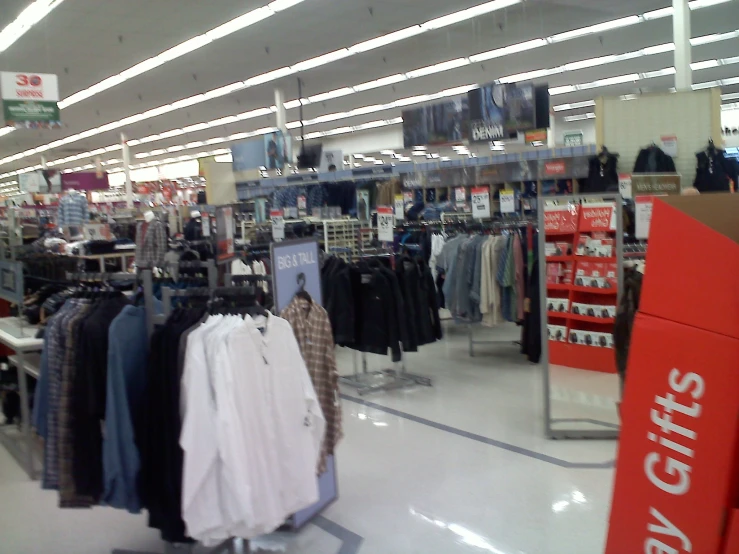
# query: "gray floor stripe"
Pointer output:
{"type": "Point", "coordinates": [351, 542]}
{"type": "Point", "coordinates": [479, 438]}
{"type": "Point", "coordinates": [591, 421]}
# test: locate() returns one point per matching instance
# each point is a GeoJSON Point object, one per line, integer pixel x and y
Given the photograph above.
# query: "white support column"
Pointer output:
{"type": "Point", "coordinates": [127, 170]}
{"type": "Point", "coordinates": [43, 162]}
{"type": "Point", "coordinates": [681, 38]}
{"type": "Point", "coordinates": [281, 115]}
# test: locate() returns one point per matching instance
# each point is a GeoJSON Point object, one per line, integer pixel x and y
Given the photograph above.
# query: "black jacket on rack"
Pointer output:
{"type": "Point", "coordinates": [338, 300]}
{"type": "Point", "coordinates": [654, 160]}
{"type": "Point", "coordinates": [602, 173]}
{"type": "Point", "coordinates": [714, 171]}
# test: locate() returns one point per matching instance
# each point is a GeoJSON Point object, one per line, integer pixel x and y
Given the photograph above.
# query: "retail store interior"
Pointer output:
{"type": "Point", "coordinates": [368, 277]}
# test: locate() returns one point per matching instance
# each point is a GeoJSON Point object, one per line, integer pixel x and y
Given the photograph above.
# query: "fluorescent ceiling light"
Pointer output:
{"type": "Point", "coordinates": [322, 60]}
{"type": "Point", "coordinates": [530, 75]}
{"type": "Point", "coordinates": [331, 94]}
{"type": "Point", "coordinates": [599, 28]}
{"type": "Point", "coordinates": [385, 81]}
{"type": "Point", "coordinates": [580, 117]}
{"type": "Point", "coordinates": [508, 50]}
{"type": "Point", "coordinates": [730, 96]}
{"type": "Point", "coordinates": [437, 68]}
{"type": "Point", "coordinates": [34, 13]}
{"type": "Point", "coordinates": [190, 45]}
{"type": "Point", "coordinates": [389, 38]}
{"type": "Point", "coordinates": [659, 73]}
{"type": "Point", "coordinates": [574, 106]}
{"type": "Point", "coordinates": [658, 14]}
{"type": "Point", "coordinates": [469, 13]}
{"type": "Point", "coordinates": [698, 4]}
{"type": "Point", "coordinates": [697, 66]}
{"type": "Point", "coordinates": [708, 39]}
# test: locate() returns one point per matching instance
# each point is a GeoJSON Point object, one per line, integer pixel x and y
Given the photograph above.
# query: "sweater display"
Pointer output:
{"type": "Point", "coordinates": [602, 173]}
{"type": "Point", "coordinates": [73, 210]}
{"type": "Point", "coordinates": [375, 309]}
{"type": "Point", "coordinates": [653, 160]}
{"type": "Point", "coordinates": [151, 244]}
{"type": "Point", "coordinates": [714, 171]}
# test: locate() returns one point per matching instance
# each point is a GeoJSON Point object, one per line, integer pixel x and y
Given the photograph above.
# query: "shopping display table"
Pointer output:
{"type": "Point", "coordinates": [20, 337]}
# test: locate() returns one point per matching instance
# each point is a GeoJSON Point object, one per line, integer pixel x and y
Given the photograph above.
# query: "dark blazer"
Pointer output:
{"type": "Point", "coordinates": [654, 160]}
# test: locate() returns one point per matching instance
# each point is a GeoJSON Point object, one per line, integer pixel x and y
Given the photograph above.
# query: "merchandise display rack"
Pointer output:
{"type": "Point", "coordinates": [341, 237]}
{"type": "Point", "coordinates": [566, 220]}
{"type": "Point", "coordinates": [582, 281]}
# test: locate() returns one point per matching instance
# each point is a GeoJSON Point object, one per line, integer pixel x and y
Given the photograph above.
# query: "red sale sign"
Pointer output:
{"type": "Point", "coordinates": [598, 217]}
{"type": "Point", "coordinates": [561, 219]}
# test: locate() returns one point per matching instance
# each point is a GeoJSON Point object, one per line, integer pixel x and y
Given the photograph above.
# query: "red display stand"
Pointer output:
{"type": "Point", "coordinates": [676, 474]}
{"type": "Point", "coordinates": [567, 225]}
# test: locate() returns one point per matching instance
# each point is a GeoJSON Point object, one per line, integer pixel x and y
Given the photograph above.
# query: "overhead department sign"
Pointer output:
{"type": "Point", "coordinates": [30, 100]}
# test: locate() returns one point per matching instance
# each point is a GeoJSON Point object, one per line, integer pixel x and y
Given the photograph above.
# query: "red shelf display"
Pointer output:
{"type": "Point", "coordinates": [583, 224]}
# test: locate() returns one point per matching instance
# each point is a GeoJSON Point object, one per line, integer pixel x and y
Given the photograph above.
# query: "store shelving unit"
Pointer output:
{"type": "Point", "coordinates": [568, 276]}
{"type": "Point", "coordinates": [341, 237]}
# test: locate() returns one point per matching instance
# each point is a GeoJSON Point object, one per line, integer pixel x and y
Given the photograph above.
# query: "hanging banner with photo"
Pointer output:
{"type": "Point", "coordinates": [442, 123]}
{"type": "Point", "coordinates": [40, 182]}
{"type": "Point", "coordinates": [30, 100]}
{"type": "Point", "coordinates": [499, 111]}
{"type": "Point", "coordinates": [277, 150]}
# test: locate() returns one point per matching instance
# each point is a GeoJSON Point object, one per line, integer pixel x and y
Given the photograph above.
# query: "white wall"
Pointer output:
{"type": "Point", "coordinates": [560, 127]}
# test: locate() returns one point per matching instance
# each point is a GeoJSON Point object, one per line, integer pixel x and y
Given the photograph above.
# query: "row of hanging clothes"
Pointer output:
{"type": "Point", "coordinates": [482, 271]}
{"type": "Point", "coordinates": [222, 392]}
{"type": "Point", "coordinates": [381, 302]}
{"type": "Point", "coordinates": [715, 172]}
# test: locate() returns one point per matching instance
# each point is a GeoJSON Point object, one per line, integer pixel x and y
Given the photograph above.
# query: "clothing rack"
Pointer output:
{"type": "Point", "coordinates": [100, 277]}
{"type": "Point", "coordinates": [366, 381]}
{"type": "Point", "coordinates": [231, 545]}
{"type": "Point", "coordinates": [497, 225]}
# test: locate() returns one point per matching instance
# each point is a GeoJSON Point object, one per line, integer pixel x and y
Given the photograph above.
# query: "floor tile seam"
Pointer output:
{"type": "Point", "coordinates": [480, 438]}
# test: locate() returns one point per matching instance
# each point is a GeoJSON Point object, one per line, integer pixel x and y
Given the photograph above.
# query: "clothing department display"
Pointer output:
{"type": "Point", "coordinates": [653, 160]}
{"type": "Point", "coordinates": [602, 173]}
{"type": "Point", "coordinates": [483, 277]}
{"type": "Point", "coordinates": [312, 329]}
{"type": "Point", "coordinates": [72, 210]}
{"type": "Point", "coordinates": [252, 428]}
{"type": "Point", "coordinates": [373, 308]}
{"type": "Point", "coordinates": [714, 171]}
{"type": "Point", "coordinates": [151, 243]}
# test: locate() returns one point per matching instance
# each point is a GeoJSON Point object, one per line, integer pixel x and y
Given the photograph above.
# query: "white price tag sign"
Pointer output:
{"type": "Point", "coordinates": [460, 195]}
{"type": "Point", "coordinates": [624, 185]}
{"type": "Point", "coordinates": [643, 213]}
{"type": "Point", "coordinates": [385, 224]}
{"type": "Point", "coordinates": [507, 202]}
{"type": "Point", "coordinates": [302, 203]}
{"type": "Point", "coordinates": [481, 202]}
{"type": "Point", "coordinates": [206, 225]}
{"type": "Point", "coordinates": [278, 224]}
{"type": "Point", "coordinates": [97, 231]}
{"type": "Point", "coordinates": [399, 208]}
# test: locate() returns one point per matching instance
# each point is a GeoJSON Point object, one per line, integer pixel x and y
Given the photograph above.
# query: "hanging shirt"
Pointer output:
{"type": "Point", "coordinates": [72, 210]}
{"type": "Point", "coordinates": [313, 332]}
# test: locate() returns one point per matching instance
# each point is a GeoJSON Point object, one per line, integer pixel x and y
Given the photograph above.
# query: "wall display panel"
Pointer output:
{"type": "Point", "coordinates": [442, 123]}
{"type": "Point", "coordinates": [627, 126]}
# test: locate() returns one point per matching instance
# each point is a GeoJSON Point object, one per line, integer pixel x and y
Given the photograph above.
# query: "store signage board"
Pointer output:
{"type": "Point", "coordinates": [225, 232]}
{"type": "Point", "coordinates": [669, 145]}
{"type": "Point", "coordinates": [599, 216]}
{"type": "Point", "coordinates": [205, 219]}
{"type": "Point", "coordinates": [407, 196]}
{"type": "Point", "coordinates": [85, 180]}
{"type": "Point", "coordinates": [497, 111]}
{"type": "Point", "coordinates": [30, 100]}
{"type": "Point", "coordinates": [625, 186]}
{"type": "Point", "coordinates": [385, 224]}
{"type": "Point", "coordinates": [331, 160]}
{"type": "Point", "coordinates": [278, 224]}
{"type": "Point", "coordinates": [561, 219]}
{"type": "Point", "coordinates": [537, 135]}
{"type": "Point", "coordinates": [481, 202]}
{"type": "Point", "coordinates": [460, 195]}
{"type": "Point", "coordinates": [573, 138]}
{"type": "Point", "coordinates": [399, 207]}
{"type": "Point", "coordinates": [655, 183]}
{"type": "Point", "coordinates": [295, 264]}
{"type": "Point", "coordinates": [507, 202]}
{"type": "Point", "coordinates": [643, 206]}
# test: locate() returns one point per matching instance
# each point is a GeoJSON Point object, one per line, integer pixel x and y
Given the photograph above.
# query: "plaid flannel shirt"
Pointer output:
{"type": "Point", "coordinates": [151, 244]}
{"type": "Point", "coordinates": [312, 330]}
{"type": "Point", "coordinates": [68, 497]}
{"type": "Point", "coordinates": [55, 333]}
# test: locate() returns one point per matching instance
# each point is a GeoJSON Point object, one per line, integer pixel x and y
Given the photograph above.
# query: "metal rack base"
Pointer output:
{"type": "Point", "coordinates": [388, 379]}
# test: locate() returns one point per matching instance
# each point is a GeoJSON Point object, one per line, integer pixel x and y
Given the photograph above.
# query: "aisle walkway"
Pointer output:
{"type": "Point", "coordinates": [460, 468]}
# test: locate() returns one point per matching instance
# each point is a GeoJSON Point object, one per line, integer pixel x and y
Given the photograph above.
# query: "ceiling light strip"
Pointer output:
{"type": "Point", "coordinates": [246, 20]}
{"type": "Point", "coordinates": [34, 13]}
{"type": "Point", "coordinates": [361, 47]}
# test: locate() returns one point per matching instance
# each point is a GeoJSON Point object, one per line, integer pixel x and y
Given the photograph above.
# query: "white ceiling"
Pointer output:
{"type": "Point", "coordinates": [85, 41]}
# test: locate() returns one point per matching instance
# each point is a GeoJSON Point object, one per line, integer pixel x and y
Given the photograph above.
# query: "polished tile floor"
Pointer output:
{"type": "Point", "coordinates": [462, 467]}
